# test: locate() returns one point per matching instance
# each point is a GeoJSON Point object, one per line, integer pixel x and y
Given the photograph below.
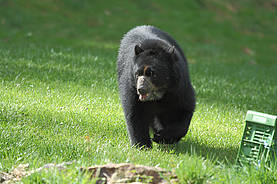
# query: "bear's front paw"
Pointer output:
{"type": "Point", "coordinates": [142, 144]}
{"type": "Point", "coordinates": [157, 138]}
{"type": "Point", "coordinates": [160, 139]}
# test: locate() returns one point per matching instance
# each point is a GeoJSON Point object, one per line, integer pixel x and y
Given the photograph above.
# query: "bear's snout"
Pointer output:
{"type": "Point", "coordinates": [142, 85]}
{"type": "Point", "coordinates": [142, 91]}
{"type": "Point", "coordinates": [143, 88]}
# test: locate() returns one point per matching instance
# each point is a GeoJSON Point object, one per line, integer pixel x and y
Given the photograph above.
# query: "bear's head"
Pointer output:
{"type": "Point", "coordinates": [154, 71]}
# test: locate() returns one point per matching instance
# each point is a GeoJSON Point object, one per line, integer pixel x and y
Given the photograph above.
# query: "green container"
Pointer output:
{"type": "Point", "coordinates": [259, 140]}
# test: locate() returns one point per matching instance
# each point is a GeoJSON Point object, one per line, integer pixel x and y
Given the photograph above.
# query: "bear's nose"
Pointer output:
{"type": "Point", "coordinates": [142, 91]}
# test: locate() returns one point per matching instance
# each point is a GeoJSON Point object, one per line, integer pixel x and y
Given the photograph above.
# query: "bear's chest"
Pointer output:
{"type": "Point", "coordinates": [159, 107]}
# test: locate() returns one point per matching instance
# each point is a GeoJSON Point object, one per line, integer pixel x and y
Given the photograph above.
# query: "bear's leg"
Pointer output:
{"type": "Point", "coordinates": [171, 129]}
{"type": "Point", "coordinates": [138, 120]}
{"type": "Point", "coordinates": [138, 129]}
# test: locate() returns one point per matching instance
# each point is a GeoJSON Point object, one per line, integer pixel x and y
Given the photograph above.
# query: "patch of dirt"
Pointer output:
{"type": "Point", "coordinates": [104, 174]}
{"type": "Point", "coordinates": [130, 173]}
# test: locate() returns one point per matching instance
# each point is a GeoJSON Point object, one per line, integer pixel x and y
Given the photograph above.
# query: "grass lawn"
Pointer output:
{"type": "Point", "coordinates": [59, 97]}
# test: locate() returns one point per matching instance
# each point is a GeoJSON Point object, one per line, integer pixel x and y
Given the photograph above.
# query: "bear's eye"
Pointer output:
{"type": "Point", "coordinates": [149, 72]}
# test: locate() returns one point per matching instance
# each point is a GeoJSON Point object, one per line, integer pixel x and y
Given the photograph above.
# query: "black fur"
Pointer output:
{"type": "Point", "coordinates": [168, 116]}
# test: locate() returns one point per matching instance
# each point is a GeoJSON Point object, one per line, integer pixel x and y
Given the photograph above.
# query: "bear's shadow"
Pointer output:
{"type": "Point", "coordinates": [190, 147]}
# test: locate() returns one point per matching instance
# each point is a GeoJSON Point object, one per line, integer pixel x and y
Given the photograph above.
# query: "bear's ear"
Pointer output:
{"type": "Point", "coordinates": [171, 50]}
{"type": "Point", "coordinates": [138, 50]}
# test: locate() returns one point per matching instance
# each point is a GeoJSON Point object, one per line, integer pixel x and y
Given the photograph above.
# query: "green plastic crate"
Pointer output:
{"type": "Point", "coordinates": [258, 144]}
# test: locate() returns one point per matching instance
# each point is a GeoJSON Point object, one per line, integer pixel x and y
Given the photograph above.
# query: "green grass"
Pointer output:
{"type": "Point", "coordinates": [58, 90]}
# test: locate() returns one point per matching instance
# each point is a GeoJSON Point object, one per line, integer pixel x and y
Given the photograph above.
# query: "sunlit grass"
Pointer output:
{"type": "Point", "coordinates": [65, 106]}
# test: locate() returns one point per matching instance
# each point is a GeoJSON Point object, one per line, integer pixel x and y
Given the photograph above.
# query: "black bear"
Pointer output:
{"type": "Point", "coordinates": [154, 87]}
